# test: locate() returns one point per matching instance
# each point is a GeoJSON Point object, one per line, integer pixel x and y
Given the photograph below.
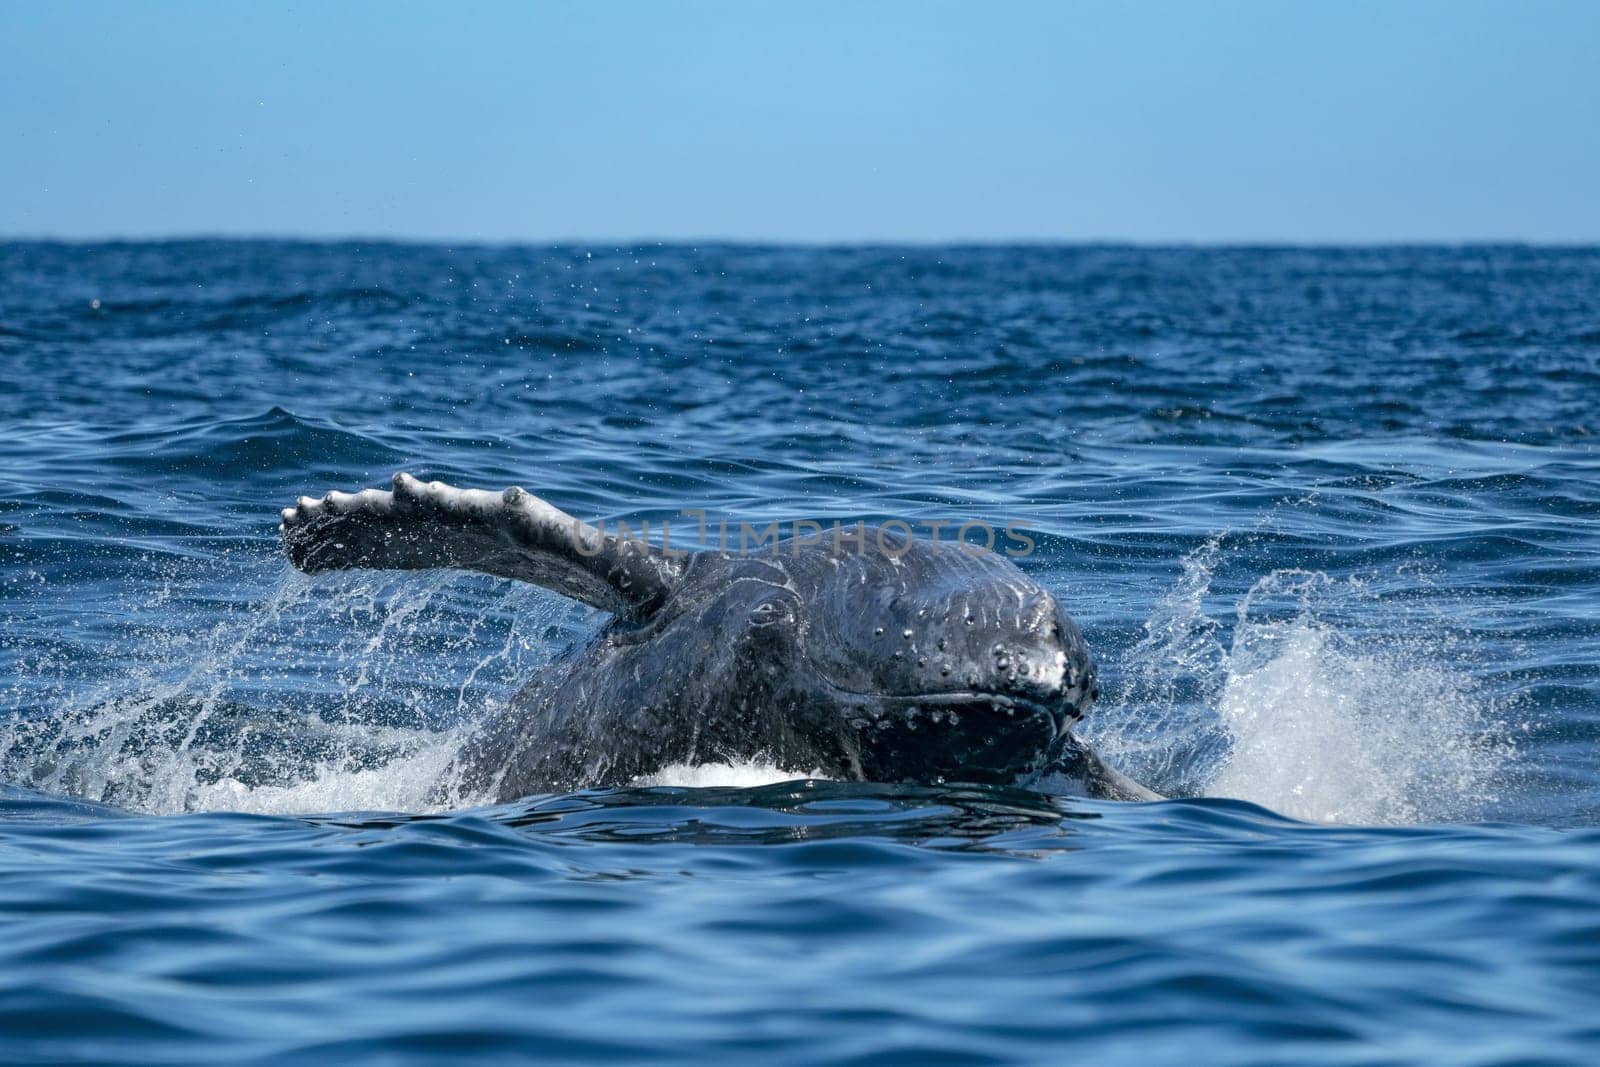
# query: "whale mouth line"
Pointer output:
{"type": "Point", "coordinates": [1059, 716]}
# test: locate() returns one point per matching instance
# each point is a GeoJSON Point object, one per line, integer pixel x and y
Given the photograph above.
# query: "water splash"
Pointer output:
{"type": "Point", "coordinates": [1166, 688]}
{"type": "Point", "coordinates": [728, 775]}
{"type": "Point", "coordinates": [1307, 706]}
{"type": "Point", "coordinates": [349, 693]}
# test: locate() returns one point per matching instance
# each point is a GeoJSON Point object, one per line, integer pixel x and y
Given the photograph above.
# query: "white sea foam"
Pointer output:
{"type": "Point", "coordinates": [406, 783]}
{"type": "Point", "coordinates": [731, 775]}
{"type": "Point", "coordinates": [1320, 702]}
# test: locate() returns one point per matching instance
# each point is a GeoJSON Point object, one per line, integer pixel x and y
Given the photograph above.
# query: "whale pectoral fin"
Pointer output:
{"type": "Point", "coordinates": [1076, 768]}
{"type": "Point", "coordinates": [420, 525]}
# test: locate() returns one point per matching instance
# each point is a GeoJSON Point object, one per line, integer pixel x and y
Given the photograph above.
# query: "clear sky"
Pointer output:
{"type": "Point", "coordinates": [810, 120]}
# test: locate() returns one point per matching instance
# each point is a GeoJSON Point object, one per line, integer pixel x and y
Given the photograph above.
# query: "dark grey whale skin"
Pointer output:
{"type": "Point", "coordinates": [882, 658]}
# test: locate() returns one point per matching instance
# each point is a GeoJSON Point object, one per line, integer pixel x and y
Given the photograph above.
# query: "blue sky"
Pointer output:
{"type": "Point", "coordinates": [812, 121]}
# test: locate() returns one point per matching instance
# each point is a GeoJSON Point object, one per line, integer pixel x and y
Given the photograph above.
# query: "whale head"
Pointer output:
{"type": "Point", "coordinates": [942, 664]}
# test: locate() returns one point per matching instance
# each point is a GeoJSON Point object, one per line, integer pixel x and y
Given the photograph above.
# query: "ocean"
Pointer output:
{"type": "Point", "coordinates": [1326, 516]}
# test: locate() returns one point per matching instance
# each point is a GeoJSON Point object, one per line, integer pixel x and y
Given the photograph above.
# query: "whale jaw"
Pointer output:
{"type": "Point", "coordinates": [987, 738]}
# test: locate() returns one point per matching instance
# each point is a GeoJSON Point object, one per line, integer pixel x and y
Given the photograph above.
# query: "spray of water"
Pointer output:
{"type": "Point", "coordinates": [1309, 703]}
{"type": "Point", "coordinates": [349, 693]}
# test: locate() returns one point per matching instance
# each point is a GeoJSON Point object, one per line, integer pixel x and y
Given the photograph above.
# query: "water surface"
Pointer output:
{"type": "Point", "coordinates": [1327, 518]}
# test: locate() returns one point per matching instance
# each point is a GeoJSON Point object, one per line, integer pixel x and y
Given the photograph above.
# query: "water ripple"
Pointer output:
{"type": "Point", "coordinates": [1327, 517]}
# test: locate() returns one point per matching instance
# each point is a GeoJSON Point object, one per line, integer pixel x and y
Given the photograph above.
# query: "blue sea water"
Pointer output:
{"type": "Point", "coordinates": [1328, 518]}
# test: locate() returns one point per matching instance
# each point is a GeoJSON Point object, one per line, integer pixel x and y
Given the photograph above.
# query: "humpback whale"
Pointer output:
{"type": "Point", "coordinates": [901, 661]}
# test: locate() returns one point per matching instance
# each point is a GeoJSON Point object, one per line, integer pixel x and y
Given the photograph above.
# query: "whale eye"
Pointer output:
{"type": "Point", "coordinates": [768, 612]}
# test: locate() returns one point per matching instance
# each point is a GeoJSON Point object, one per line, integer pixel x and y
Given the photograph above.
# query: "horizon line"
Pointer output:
{"type": "Point", "coordinates": [205, 237]}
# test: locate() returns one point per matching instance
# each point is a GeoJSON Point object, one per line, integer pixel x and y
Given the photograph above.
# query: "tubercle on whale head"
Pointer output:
{"type": "Point", "coordinates": [948, 667]}
{"type": "Point", "coordinates": [1000, 637]}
